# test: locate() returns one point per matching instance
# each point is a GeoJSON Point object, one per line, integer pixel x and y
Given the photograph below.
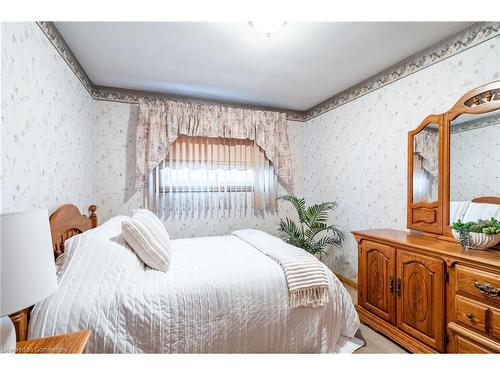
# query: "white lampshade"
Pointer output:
{"type": "Point", "coordinates": [28, 271]}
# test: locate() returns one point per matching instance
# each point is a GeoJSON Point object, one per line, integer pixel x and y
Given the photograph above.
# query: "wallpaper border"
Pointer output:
{"type": "Point", "coordinates": [57, 40]}
{"type": "Point", "coordinates": [462, 40]}
{"type": "Point", "coordinates": [474, 124]}
{"type": "Point", "coordinates": [114, 94]}
{"type": "Point", "coordinates": [469, 37]}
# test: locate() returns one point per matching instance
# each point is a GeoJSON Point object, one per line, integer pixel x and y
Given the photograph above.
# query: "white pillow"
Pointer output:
{"type": "Point", "coordinates": [154, 224]}
{"type": "Point", "coordinates": [141, 239]}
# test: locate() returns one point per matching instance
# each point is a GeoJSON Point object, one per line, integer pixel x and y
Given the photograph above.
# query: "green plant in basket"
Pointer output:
{"type": "Point", "coordinates": [487, 227]}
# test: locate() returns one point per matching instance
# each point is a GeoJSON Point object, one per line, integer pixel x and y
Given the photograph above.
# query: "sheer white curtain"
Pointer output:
{"type": "Point", "coordinates": [212, 176]}
{"type": "Point", "coordinates": [425, 165]}
{"type": "Point", "coordinates": [424, 187]}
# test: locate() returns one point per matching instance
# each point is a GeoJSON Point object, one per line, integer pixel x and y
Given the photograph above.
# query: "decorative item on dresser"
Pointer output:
{"type": "Point", "coordinates": [421, 288]}
{"type": "Point", "coordinates": [479, 235]}
{"type": "Point", "coordinates": [65, 222]}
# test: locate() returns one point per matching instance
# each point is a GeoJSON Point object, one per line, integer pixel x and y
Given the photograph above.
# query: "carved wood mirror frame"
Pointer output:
{"type": "Point", "coordinates": [426, 216]}
{"type": "Point", "coordinates": [434, 217]}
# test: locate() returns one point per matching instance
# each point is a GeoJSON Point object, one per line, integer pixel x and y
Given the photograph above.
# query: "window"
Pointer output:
{"type": "Point", "coordinates": [206, 174]}
{"type": "Point", "coordinates": [184, 180]}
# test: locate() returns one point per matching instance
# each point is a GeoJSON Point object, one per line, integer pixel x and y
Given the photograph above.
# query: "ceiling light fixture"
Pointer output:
{"type": "Point", "coordinates": [267, 27]}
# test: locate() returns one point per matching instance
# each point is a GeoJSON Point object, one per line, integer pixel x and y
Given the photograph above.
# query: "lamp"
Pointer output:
{"type": "Point", "coordinates": [27, 267]}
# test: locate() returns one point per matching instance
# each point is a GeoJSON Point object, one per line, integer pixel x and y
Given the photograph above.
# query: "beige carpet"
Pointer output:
{"type": "Point", "coordinates": [374, 342]}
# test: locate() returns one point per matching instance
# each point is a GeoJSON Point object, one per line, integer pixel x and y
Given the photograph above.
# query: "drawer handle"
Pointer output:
{"type": "Point", "coordinates": [398, 287]}
{"type": "Point", "coordinates": [487, 289]}
{"type": "Point", "coordinates": [391, 284]}
{"type": "Point", "coordinates": [469, 316]}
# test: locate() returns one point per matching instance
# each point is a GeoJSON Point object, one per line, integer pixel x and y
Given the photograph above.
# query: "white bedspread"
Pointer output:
{"type": "Point", "coordinates": [220, 295]}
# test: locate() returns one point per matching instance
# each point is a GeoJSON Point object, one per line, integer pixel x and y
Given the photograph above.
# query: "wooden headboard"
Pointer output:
{"type": "Point", "coordinates": [490, 200]}
{"type": "Point", "coordinates": [65, 222]}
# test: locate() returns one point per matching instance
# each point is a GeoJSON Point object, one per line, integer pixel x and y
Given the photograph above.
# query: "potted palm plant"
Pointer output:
{"type": "Point", "coordinates": [311, 233]}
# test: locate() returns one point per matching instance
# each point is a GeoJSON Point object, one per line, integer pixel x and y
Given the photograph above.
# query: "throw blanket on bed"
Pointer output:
{"type": "Point", "coordinates": [305, 275]}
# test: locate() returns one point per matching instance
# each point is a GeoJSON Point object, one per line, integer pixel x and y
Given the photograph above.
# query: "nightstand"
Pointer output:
{"type": "Point", "coordinates": [70, 343]}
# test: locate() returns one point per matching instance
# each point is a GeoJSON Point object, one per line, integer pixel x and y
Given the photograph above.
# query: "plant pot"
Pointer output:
{"type": "Point", "coordinates": [479, 241]}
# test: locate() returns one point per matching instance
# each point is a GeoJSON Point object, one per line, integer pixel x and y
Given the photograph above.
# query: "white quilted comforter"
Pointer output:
{"type": "Point", "coordinates": [219, 295]}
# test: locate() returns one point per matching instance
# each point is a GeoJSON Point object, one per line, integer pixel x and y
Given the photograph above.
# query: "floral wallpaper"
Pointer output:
{"type": "Point", "coordinates": [357, 152]}
{"type": "Point", "coordinates": [115, 168]}
{"type": "Point", "coordinates": [60, 145]}
{"type": "Point", "coordinates": [47, 125]}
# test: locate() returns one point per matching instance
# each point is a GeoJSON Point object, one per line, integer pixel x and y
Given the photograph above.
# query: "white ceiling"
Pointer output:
{"type": "Point", "coordinates": [300, 66]}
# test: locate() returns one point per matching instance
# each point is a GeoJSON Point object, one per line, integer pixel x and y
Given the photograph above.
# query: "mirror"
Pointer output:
{"type": "Point", "coordinates": [475, 166]}
{"type": "Point", "coordinates": [425, 164]}
{"type": "Point", "coordinates": [454, 164]}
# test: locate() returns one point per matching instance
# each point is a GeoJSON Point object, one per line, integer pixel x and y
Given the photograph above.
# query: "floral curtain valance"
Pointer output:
{"type": "Point", "coordinates": [162, 121]}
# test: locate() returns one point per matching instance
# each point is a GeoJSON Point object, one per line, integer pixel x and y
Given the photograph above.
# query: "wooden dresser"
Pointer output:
{"type": "Point", "coordinates": [421, 288]}
{"type": "Point", "coordinates": [428, 294]}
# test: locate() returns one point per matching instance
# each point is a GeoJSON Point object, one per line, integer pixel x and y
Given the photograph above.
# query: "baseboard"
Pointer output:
{"type": "Point", "coordinates": [347, 281]}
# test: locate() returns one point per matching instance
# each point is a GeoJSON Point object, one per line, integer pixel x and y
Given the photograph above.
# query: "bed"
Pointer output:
{"type": "Point", "coordinates": [220, 295]}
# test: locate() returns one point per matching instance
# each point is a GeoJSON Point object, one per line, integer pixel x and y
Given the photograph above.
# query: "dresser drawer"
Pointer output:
{"type": "Point", "coordinates": [482, 284]}
{"type": "Point", "coordinates": [467, 346]}
{"type": "Point", "coordinates": [495, 323]}
{"type": "Point", "coordinates": [464, 340]}
{"type": "Point", "coordinates": [471, 313]}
